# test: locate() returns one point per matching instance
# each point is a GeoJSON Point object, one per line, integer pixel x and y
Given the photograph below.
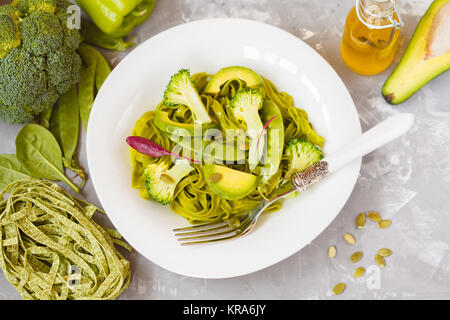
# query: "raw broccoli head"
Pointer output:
{"type": "Point", "coordinates": [161, 182]}
{"type": "Point", "coordinates": [301, 154]}
{"type": "Point", "coordinates": [181, 90]}
{"type": "Point", "coordinates": [38, 58]}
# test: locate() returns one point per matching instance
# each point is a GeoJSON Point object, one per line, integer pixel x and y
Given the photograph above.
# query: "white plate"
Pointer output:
{"type": "Point", "coordinates": [137, 84]}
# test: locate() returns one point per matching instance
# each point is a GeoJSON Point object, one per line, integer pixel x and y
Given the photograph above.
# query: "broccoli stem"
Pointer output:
{"type": "Point", "coordinates": [197, 107]}
{"type": "Point", "coordinates": [179, 171]}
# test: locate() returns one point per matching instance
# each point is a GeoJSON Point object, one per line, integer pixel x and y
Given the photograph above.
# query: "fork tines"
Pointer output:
{"type": "Point", "coordinates": [207, 232]}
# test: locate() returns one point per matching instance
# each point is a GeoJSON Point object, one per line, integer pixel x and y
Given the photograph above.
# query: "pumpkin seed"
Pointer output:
{"type": "Point", "coordinates": [167, 179]}
{"type": "Point", "coordinates": [356, 257]}
{"type": "Point", "coordinates": [380, 261]}
{"type": "Point", "coordinates": [339, 288]}
{"type": "Point", "coordinates": [384, 252]}
{"type": "Point", "coordinates": [375, 217]}
{"type": "Point", "coordinates": [383, 224]}
{"type": "Point", "coordinates": [215, 177]}
{"type": "Point", "coordinates": [349, 238]}
{"type": "Point", "coordinates": [360, 220]}
{"type": "Point", "coordinates": [359, 272]}
{"type": "Point", "coordinates": [332, 252]}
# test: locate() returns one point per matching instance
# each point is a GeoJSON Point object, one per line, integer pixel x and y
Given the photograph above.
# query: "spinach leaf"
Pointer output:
{"type": "Point", "coordinates": [11, 170]}
{"type": "Point", "coordinates": [38, 150]}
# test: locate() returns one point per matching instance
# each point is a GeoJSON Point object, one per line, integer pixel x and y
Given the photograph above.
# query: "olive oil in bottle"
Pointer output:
{"type": "Point", "coordinates": [371, 35]}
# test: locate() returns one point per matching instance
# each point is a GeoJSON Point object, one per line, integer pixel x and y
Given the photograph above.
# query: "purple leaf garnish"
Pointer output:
{"type": "Point", "coordinates": [148, 147]}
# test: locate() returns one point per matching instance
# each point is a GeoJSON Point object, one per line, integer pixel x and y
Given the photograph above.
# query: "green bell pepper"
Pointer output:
{"type": "Point", "coordinates": [117, 17]}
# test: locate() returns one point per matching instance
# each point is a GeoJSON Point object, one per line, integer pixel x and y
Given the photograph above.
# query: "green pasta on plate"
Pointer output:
{"type": "Point", "coordinates": [217, 145]}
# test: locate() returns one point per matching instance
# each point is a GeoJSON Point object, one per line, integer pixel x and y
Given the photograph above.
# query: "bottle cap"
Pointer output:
{"type": "Point", "coordinates": [379, 14]}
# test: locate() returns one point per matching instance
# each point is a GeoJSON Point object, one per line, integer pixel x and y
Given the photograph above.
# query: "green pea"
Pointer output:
{"type": "Point", "coordinates": [65, 126]}
{"type": "Point", "coordinates": [92, 56]}
{"type": "Point", "coordinates": [92, 78]}
{"type": "Point", "coordinates": [86, 93]}
{"type": "Point", "coordinates": [103, 71]}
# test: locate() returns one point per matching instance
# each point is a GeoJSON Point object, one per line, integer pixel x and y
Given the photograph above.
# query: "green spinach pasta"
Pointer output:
{"type": "Point", "coordinates": [51, 249]}
{"type": "Point", "coordinates": [234, 99]}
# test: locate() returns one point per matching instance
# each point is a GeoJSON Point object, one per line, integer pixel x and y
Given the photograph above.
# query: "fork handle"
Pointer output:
{"type": "Point", "coordinates": [371, 140]}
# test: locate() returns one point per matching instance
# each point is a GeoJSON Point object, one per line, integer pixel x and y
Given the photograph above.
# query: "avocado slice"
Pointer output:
{"type": "Point", "coordinates": [228, 183]}
{"type": "Point", "coordinates": [427, 56]}
{"type": "Point", "coordinates": [251, 78]}
{"type": "Point", "coordinates": [275, 139]}
{"type": "Point", "coordinates": [170, 127]}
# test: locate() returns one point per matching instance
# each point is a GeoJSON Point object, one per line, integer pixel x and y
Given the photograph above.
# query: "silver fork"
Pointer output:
{"type": "Point", "coordinates": [237, 227]}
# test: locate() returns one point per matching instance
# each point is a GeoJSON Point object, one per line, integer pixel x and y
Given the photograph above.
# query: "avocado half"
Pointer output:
{"type": "Point", "coordinates": [427, 55]}
{"type": "Point", "coordinates": [251, 78]}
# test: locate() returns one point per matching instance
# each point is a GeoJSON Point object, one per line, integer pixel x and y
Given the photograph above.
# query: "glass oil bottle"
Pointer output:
{"type": "Point", "coordinates": [371, 34]}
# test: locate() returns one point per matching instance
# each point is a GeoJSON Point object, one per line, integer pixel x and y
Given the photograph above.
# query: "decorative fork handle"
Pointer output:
{"type": "Point", "coordinates": [302, 180]}
{"type": "Point", "coordinates": [371, 140]}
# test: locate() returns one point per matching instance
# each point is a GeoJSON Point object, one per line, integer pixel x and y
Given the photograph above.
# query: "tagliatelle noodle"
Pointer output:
{"type": "Point", "coordinates": [51, 249]}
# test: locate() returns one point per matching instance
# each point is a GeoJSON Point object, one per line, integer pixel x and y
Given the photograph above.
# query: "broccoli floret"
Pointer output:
{"type": "Point", "coordinates": [301, 154]}
{"type": "Point", "coordinates": [29, 6]}
{"type": "Point", "coordinates": [181, 90]}
{"type": "Point", "coordinates": [72, 37]}
{"type": "Point", "coordinates": [16, 115]}
{"type": "Point", "coordinates": [245, 105]}
{"type": "Point", "coordinates": [11, 11]}
{"type": "Point", "coordinates": [63, 69]}
{"type": "Point", "coordinates": [9, 34]}
{"type": "Point", "coordinates": [38, 58]}
{"type": "Point", "coordinates": [42, 33]}
{"type": "Point", "coordinates": [21, 83]}
{"type": "Point", "coordinates": [62, 5]}
{"type": "Point", "coordinates": [161, 181]}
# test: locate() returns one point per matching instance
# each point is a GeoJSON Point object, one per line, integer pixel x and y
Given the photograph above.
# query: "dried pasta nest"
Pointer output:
{"type": "Point", "coordinates": [51, 248]}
